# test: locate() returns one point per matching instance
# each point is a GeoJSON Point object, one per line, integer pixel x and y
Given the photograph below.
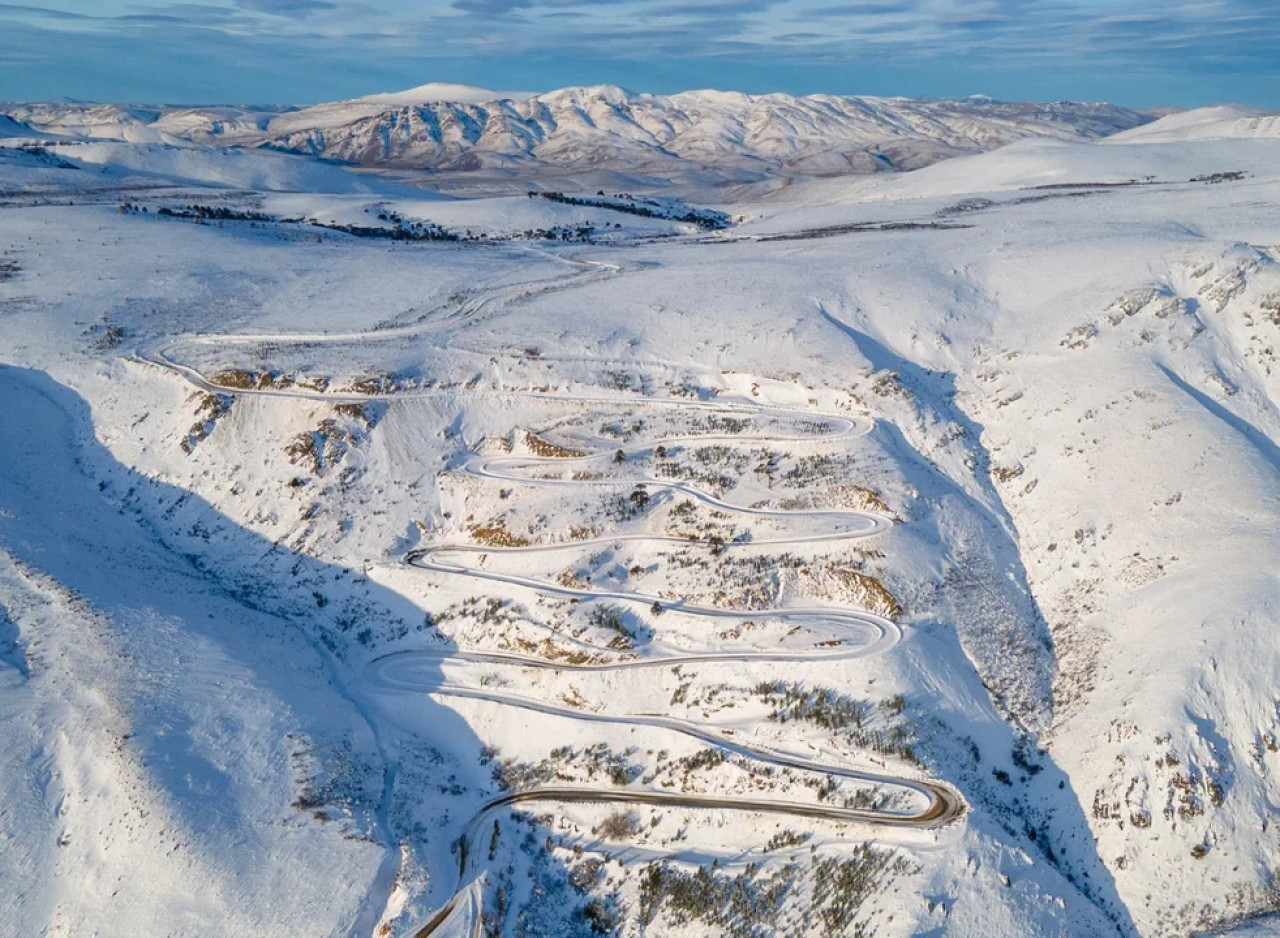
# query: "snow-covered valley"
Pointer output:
{"type": "Point", "coordinates": [885, 554]}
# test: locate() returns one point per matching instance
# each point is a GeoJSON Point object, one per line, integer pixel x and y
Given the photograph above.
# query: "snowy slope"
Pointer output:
{"type": "Point", "coordinates": [951, 489]}
{"type": "Point", "coordinates": [106, 167]}
{"type": "Point", "coordinates": [1023, 172]}
{"type": "Point", "coordinates": [1208, 123]}
{"type": "Point", "coordinates": [12, 128]}
{"type": "Point", "coordinates": [153, 755]}
{"type": "Point", "coordinates": [138, 124]}
{"type": "Point", "coordinates": [218, 166]}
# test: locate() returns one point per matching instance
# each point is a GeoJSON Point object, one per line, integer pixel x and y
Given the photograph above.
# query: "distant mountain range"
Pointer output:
{"type": "Point", "coordinates": [732, 136]}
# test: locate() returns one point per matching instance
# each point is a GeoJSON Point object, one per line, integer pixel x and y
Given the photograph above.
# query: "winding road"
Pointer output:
{"type": "Point", "coordinates": [852, 634]}
{"type": "Point", "coordinates": [849, 633]}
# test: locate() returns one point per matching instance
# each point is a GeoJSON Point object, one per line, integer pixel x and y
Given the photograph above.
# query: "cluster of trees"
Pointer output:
{"type": "Point", "coordinates": [583, 233]}
{"type": "Point", "coordinates": [403, 231]}
{"type": "Point", "coordinates": [740, 906]}
{"type": "Point", "coordinates": [1215, 178]}
{"type": "Point", "coordinates": [705, 219]}
{"type": "Point", "coordinates": [400, 230]}
{"type": "Point", "coordinates": [211, 213]}
{"type": "Point", "coordinates": [45, 157]}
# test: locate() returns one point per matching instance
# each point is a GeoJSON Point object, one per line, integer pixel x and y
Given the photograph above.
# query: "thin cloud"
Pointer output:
{"type": "Point", "coordinates": [44, 12]}
{"type": "Point", "coordinates": [287, 7]}
{"type": "Point", "coordinates": [546, 43]}
{"type": "Point", "coordinates": [842, 10]}
{"type": "Point", "coordinates": [491, 7]}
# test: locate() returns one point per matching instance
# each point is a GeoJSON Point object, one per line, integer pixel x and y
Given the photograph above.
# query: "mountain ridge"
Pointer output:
{"type": "Point", "coordinates": [738, 137]}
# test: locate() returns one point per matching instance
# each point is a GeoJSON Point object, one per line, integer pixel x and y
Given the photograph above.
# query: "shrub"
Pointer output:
{"type": "Point", "coordinates": [619, 826]}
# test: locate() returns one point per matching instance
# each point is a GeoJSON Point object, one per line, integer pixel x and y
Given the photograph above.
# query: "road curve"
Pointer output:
{"type": "Point", "coordinates": [855, 633]}
{"type": "Point", "coordinates": [467, 308]}
{"type": "Point", "coordinates": [941, 804]}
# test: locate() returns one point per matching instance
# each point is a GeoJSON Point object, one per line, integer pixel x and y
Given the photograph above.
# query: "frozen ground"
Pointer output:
{"type": "Point", "coordinates": [896, 558]}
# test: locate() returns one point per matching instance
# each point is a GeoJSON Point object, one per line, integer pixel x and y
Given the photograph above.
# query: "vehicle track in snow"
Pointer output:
{"type": "Point", "coordinates": [465, 311]}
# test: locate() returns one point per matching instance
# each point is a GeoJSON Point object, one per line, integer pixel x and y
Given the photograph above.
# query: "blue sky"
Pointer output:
{"type": "Point", "coordinates": [1137, 52]}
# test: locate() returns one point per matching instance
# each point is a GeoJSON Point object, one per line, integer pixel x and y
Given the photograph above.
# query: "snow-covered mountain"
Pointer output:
{"type": "Point", "coordinates": [891, 555]}
{"type": "Point", "coordinates": [739, 137]}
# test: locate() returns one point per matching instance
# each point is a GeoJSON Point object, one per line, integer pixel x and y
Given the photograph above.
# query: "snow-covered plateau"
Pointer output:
{"type": "Point", "coordinates": [818, 555]}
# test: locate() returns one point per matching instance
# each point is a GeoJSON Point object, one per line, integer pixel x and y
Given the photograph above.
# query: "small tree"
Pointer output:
{"type": "Point", "coordinates": [619, 826]}
{"type": "Point", "coordinates": [619, 457]}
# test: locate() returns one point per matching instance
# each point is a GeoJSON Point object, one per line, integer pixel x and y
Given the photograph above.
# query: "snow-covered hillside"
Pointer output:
{"type": "Point", "coordinates": [735, 137]}
{"type": "Point", "coordinates": [1208, 123]}
{"type": "Point", "coordinates": [885, 556]}
{"type": "Point", "coordinates": [12, 128]}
